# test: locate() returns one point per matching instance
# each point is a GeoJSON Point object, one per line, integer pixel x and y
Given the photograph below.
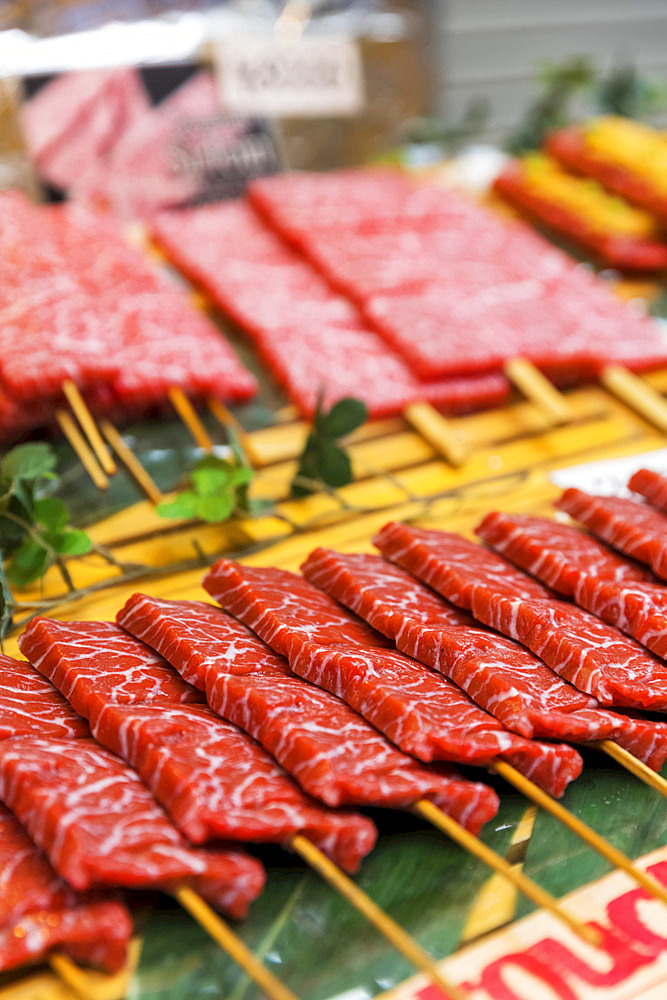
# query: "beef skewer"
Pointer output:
{"type": "Point", "coordinates": [652, 486]}
{"type": "Point", "coordinates": [425, 259]}
{"type": "Point", "coordinates": [501, 676]}
{"type": "Point", "coordinates": [97, 823]}
{"type": "Point", "coordinates": [633, 528]}
{"type": "Point", "coordinates": [616, 591]}
{"type": "Point", "coordinates": [596, 658]}
{"type": "Point", "coordinates": [248, 683]}
{"type": "Point", "coordinates": [454, 567]}
{"type": "Point", "coordinates": [424, 714]}
{"type": "Point", "coordinates": [212, 779]}
{"type": "Point", "coordinates": [159, 619]}
{"type": "Point", "coordinates": [40, 913]}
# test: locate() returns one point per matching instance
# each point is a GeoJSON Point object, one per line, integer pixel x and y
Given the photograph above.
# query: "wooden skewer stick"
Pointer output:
{"type": "Point", "coordinates": [85, 455]}
{"type": "Point", "coordinates": [531, 889]}
{"type": "Point", "coordinates": [133, 464]}
{"type": "Point", "coordinates": [581, 829]}
{"type": "Point", "coordinates": [207, 918]}
{"type": "Point", "coordinates": [72, 976]}
{"type": "Point", "coordinates": [634, 765]}
{"type": "Point", "coordinates": [394, 933]}
{"type": "Point", "coordinates": [190, 417]}
{"type": "Point", "coordinates": [438, 431]}
{"type": "Point", "coordinates": [227, 419]}
{"type": "Point", "coordinates": [636, 393]}
{"type": "Point", "coordinates": [530, 381]}
{"type": "Point", "coordinates": [88, 426]}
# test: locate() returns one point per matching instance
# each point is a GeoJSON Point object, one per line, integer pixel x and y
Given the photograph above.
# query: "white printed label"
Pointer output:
{"type": "Point", "coordinates": [609, 476]}
{"type": "Point", "coordinates": [307, 78]}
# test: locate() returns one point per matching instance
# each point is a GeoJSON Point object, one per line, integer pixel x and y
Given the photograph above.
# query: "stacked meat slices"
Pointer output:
{"type": "Point", "coordinates": [422, 713]}
{"type": "Point", "coordinates": [307, 334]}
{"type": "Point", "coordinates": [213, 780]}
{"type": "Point", "coordinates": [39, 912]}
{"type": "Point", "coordinates": [499, 675]}
{"type": "Point", "coordinates": [90, 813]}
{"type": "Point", "coordinates": [332, 752]}
{"type": "Point", "coordinates": [596, 658]}
{"type": "Point", "coordinates": [76, 301]}
{"type": "Point", "coordinates": [452, 287]}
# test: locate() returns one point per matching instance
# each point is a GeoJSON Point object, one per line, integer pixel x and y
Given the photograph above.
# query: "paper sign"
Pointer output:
{"type": "Point", "coordinates": [218, 155]}
{"type": "Point", "coordinates": [538, 959]}
{"type": "Point", "coordinates": [609, 477]}
{"type": "Point", "coordinates": [275, 78]}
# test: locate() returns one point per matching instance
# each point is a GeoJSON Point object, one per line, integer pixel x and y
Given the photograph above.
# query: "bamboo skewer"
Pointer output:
{"type": "Point", "coordinates": [634, 766]}
{"type": "Point", "coordinates": [532, 890]}
{"type": "Point", "coordinates": [530, 381]}
{"type": "Point", "coordinates": [131, 461]}
{"type": "Point", "coordinates": [636, 393]}
{"type": "Point", "coordinates": [581, 829]}
{"type": "Point", "coordinates": [85, 455]}
{"type": "Point", "coordinates": [72, 976]}
{"type": "Point", "coordinates": [227, 419]}
{"type": "Point", "coordinates": [438, 431]}
{"type": "Point", "coordinates": [88, 426]}
{"type": "Point", "coordinates": [230, 942]}
{"type": "Point", "coordinates": [190, 417]}
{"type": "Point", "coordinates": [394, 933]}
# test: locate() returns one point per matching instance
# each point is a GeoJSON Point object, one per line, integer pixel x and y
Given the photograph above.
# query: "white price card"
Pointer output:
{"type": "Point", "coordinates": [609, 476]}
{"type": "Point", "coordinates": [276, 78]}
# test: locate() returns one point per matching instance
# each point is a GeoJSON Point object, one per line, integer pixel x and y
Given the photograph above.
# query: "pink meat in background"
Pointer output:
{"type": "Point", "coordinates": [74, 122]}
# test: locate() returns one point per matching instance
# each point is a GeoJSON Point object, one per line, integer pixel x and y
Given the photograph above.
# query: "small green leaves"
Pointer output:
{"type": "Point", "coordinates": [27, 461]}
{"type": "Point", "coordinates": [51, 513]}
{"type": "Point", "coordinates": [323, 459]}
{"type": "Point", "coordinates": [343, 418]}
{"type": "Point", "coordinates": [34, 531]}
{"type": "Point", "coordinates": [219, 488]}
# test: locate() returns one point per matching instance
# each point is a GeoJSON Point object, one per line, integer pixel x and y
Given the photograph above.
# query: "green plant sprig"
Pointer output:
{"type": "Point", "coordinates": [35, 532]}
{"type": "Point", "coordinates": [324, 461]}
{"type": "Point", "coordinates": [218, 489]}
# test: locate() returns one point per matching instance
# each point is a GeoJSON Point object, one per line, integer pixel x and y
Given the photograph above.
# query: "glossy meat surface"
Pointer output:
{"type": "Point", "coordinates": [422, 713]}
{"type": "Point", "coordinates": [595, 657]}
{"type": "Point", "coordinates": [213, 780]}
{"type": "Point", "coordinates": [333, 753]}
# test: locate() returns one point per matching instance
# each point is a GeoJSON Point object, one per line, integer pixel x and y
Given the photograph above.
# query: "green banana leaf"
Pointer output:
{"type": "Point", "coordinates": [323, 950]}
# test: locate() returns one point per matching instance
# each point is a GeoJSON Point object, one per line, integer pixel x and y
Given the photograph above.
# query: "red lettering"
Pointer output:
{"type": "Point", "coordinates": [493, 978]}
{"type": "Point", "coordinates": [625, 959]}
{"type": "Point", "coordinates": [623, 912]}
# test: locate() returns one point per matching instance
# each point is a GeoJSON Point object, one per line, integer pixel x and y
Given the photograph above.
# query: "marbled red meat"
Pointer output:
{"type": "Point", "coordinates": [76, 301]}
{"type": "Point", "coordinates": [213, 780]}
{"type": "Point", "coordinates": [138, 178]}
{"type": "Point", "coordinates": [619, 592]}
{"type": "Point", "coordinates": [99, 825]}
{"type": "Point", "coordinates": [421, 712]}
{"type": "Point", "coordinates": [303, 330]}
{"type": "Point", "coordinates": [39, 912]}
{"type": "Point", "coordinates": [595, 657]}
{"type": "Point", "coordinates": [48, 765]}
{"type": "Point", "coordinates": [652, 486]}
{"type": "Point", "coordinates": [333, 753]}
{"type": "Point", "coordinates": [30, 706]}
{"type": "Point", "coordinates": [631, 527]}
{"type": "Point", "coordinates": [74, 122]}
{"type": "Point", "coordinates": [496, 283]}
{"type": "Point", "coordinates": [501, 676]}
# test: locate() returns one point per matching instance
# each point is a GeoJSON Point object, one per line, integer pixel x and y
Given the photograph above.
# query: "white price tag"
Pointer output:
{"type": "Point", "coordinates": [275, 78]}
{"type": "Point", "coordinates": [609, 476]}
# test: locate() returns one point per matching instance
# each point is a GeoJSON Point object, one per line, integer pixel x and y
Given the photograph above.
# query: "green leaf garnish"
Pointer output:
{"type": "Point", "coordinates": [323, 459]}
{"type": "Point", "coordinates": [219, 487]}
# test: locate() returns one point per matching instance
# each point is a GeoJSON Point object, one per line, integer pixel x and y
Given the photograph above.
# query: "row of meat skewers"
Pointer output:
{"type": "Point", "coordinates": [185, 724]}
